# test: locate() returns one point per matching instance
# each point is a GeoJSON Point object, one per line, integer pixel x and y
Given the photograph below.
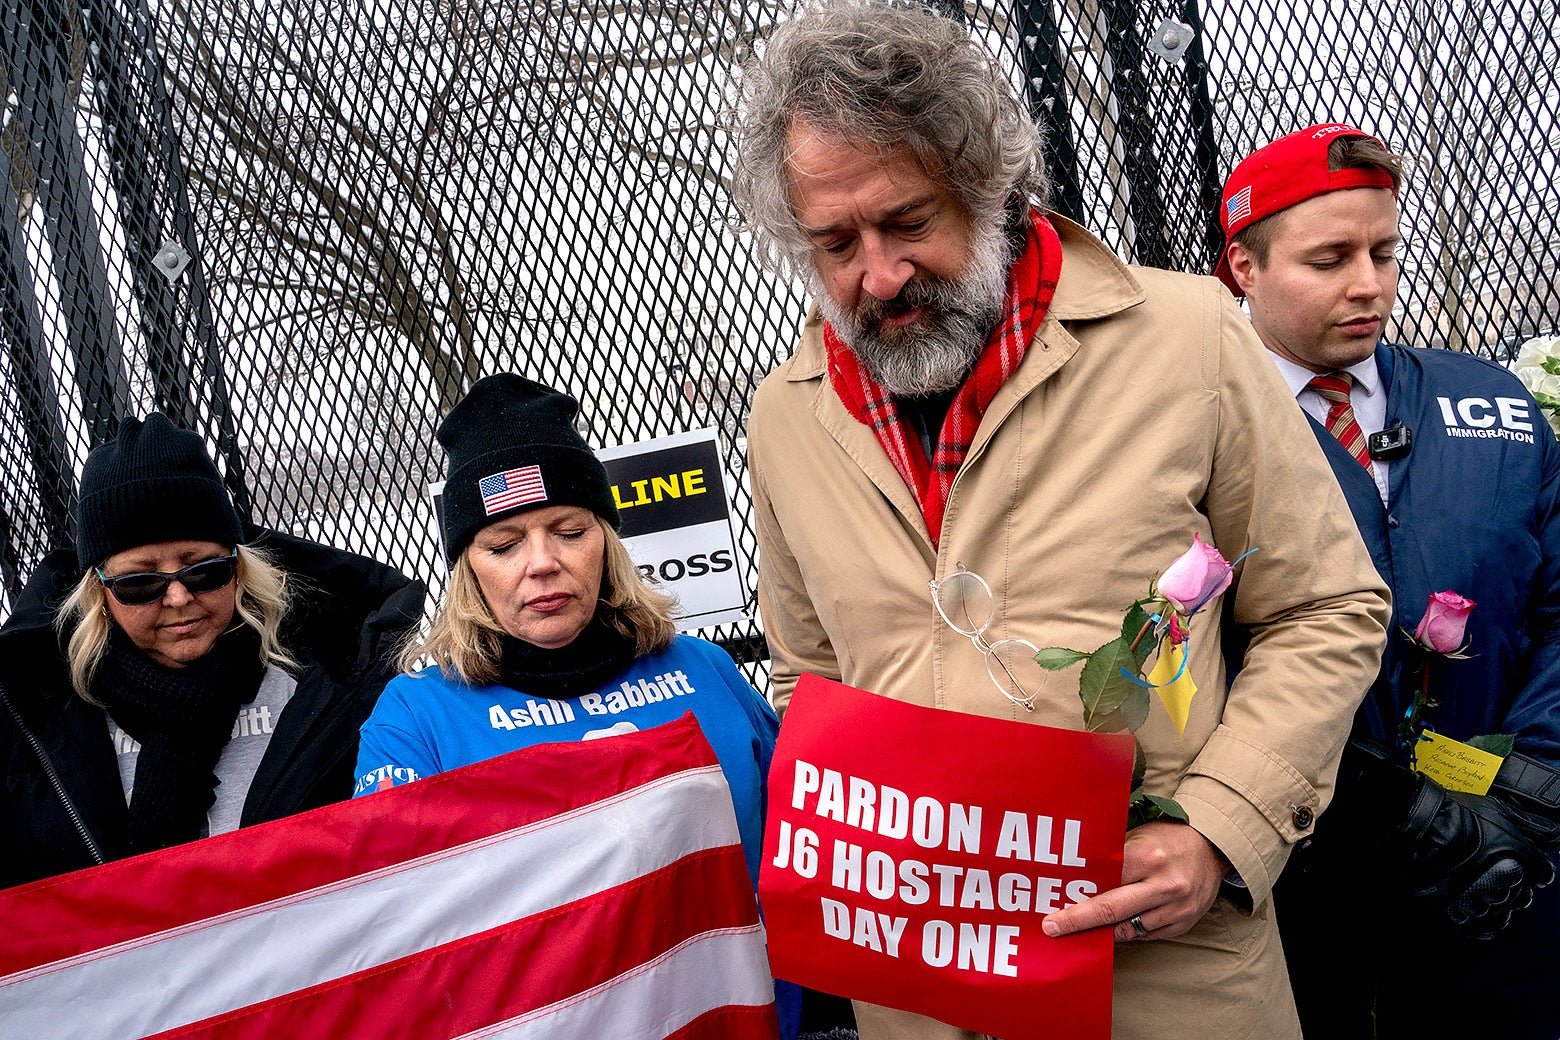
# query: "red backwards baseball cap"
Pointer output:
{"type": "Point", "coordinates": [1285, 173]}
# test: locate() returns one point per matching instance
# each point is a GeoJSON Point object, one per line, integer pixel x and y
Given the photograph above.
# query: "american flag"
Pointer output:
{"type": "Point", "coordinates": [1239, 206]}
{"type": "Point", "coordinates": [566, 891]}
{"type": "Point", "coordinates": [513, 487]}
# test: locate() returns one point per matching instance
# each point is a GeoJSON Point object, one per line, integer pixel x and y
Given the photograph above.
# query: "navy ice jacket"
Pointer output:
{"type": "Point", "coordinates": [1474, 508]}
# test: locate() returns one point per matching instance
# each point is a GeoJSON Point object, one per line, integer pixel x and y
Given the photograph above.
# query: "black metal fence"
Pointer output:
{"type": "Point", "coordinates": [303, 227]}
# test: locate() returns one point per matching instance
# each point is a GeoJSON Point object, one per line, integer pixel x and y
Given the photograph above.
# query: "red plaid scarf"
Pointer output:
{"type": "Point", "coordinates": [1031, 285]}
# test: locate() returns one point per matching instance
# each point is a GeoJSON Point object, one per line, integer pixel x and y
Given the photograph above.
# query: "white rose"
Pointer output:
{"type": "Point", "coordinates": [1538, 382]}
{"type": "Point", "coordinates": [1534, 353]}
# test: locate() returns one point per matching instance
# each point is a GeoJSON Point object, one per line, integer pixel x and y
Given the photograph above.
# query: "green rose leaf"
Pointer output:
{"type": "Point", "coordinates": [1135, 708]}
{"type": "Point", "coordinates": [1551, 365]}
{"type": "Point", "coordinates": [1102, 687]}
{"type": "Point", "coordinates": [1055, 658]}
{"type": "Point", "coordinates": [1139, 767]}
{"type": "Point", "coordinates": [1147, 808]}
{"type": "Point", "coordinates": [1126, 719]}
{"type": "Point", "coordinates": [1169, 807]}
{"type": "Point", "coordinates": [1110, 722]}
{"type": "Point", "coordinates": [1498, 744]}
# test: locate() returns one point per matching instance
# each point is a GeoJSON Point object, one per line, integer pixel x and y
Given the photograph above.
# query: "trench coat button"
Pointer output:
{"type": "Point", "coordinates": [1304, 817]}
{"type": "Point", "coordinates": [1392, 521]}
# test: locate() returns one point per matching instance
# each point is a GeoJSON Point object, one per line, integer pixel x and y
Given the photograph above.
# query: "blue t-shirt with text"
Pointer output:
{"type": "Point", "coordinates": [426, 723]}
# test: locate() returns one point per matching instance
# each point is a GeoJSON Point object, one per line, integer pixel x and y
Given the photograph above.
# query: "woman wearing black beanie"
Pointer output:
{"type": "Point", "coordinates": [176, 676]}
{"type": "Point", "coordinates": [546, 631]}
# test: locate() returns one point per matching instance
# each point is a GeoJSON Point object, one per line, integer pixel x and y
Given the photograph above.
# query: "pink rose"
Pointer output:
{"type": "Point", "coordinates": [1178, 631]}
{"type": "Point", "coordinates": [1445, 621]}
{"type": "Point", "coordinates": [1197, 576]}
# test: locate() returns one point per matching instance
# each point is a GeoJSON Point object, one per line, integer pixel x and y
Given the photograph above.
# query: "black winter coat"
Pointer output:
{"type": "Point", "coordinates": [348, 615]}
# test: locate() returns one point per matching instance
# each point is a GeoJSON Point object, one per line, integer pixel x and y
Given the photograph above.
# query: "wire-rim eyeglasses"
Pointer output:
{"type": "Point", "coordinates": [966, 604]}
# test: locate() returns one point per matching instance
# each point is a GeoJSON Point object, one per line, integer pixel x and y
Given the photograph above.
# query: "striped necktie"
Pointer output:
{"type": "Point", "coordinates": [1334, 389]}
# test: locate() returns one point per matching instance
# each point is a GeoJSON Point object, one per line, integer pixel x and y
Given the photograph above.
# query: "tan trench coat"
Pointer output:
{"type": "Point", "coordinates": [1145, 411]}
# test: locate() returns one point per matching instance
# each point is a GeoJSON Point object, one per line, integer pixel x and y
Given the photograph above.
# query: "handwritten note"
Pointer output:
{"type": "Point", "coordinates": [1455, 765]}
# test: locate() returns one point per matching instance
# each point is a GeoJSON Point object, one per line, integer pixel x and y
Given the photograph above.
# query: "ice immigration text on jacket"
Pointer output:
{"type": "Point", "coordinates": [1474, 508]}
{"type": "Point", "coordinates": [348, 615]}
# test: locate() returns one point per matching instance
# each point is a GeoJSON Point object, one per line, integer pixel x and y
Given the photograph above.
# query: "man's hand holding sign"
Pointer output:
{"type": "Point", "coordinates": [905, 871]}
{"type": "Point", "coordinates": [1170, 876]}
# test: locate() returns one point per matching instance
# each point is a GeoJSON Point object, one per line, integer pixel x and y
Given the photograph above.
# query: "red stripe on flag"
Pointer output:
{"type": "Point", "coordinates": [731, 1023]}
{"type": "Point", "coordinates": [509, 971]}
{"type": "Point", "coordinates": [73, 914]}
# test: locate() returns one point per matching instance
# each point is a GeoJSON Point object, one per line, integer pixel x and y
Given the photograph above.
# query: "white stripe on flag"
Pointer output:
{"type": "Point", "coordinates": [342, 928]}
{"type": "Point", "coordinates": [717, 969]}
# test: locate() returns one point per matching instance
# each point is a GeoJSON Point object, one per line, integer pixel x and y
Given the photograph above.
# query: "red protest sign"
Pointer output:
{"type": "Point", "coordinates": [910, 855]}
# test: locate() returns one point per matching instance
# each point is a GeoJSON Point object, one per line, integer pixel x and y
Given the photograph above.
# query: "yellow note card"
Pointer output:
{"type": "Point", "coordinates": [1454, 765]}
{"type": "Point", "coordinates": [1177, 695]}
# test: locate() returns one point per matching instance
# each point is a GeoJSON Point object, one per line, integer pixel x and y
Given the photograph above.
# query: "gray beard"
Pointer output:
{"type": "Point", "coordinates": [937, 352]}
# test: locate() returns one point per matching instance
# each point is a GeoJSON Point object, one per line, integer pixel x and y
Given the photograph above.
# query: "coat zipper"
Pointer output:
{"type": "Point", "coordinates": [54, 781]}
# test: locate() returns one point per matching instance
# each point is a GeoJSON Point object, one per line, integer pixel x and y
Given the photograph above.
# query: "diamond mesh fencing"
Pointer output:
{"type": "Point", "coordinates": [303, 229]}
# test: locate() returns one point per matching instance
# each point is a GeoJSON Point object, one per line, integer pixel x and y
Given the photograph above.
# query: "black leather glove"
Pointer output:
{"type": "Point", "coordinates": [1374, 793]}
{"type": "Point", "coordinates": [1476, 859]}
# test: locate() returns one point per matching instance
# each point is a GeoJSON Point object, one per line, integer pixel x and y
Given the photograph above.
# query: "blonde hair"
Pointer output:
{"type": "Point", "coordinates": [260, 601]}
{"type": "Point", "coordinates": [463, 638]}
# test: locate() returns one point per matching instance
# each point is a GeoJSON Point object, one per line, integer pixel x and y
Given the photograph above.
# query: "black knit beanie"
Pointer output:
{"type": "Point", "coordinates": [152, 483]}
{"type": "Point", "coordinates": [513, 447]}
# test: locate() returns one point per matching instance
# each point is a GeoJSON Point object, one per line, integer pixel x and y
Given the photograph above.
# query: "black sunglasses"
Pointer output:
{"type": "Point", "coordinates": [134, 590]}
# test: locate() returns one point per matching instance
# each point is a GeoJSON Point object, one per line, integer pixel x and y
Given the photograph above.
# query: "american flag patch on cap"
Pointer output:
{"type": "Point", "coordinates": [1238, 206]}
{"type": "Point", "coordinates": [513, 487]}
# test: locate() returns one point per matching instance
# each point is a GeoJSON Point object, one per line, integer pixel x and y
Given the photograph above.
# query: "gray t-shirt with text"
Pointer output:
{"type": "Point", "coordinates": [240, 759]}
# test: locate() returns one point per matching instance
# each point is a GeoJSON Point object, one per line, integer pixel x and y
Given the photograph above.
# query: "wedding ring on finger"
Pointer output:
{"type": "Point", "coordinates": [1138, 927]}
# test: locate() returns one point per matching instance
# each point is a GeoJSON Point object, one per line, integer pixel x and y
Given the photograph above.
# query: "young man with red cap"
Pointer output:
{"type": "Point", "coordinates": [1415, 909]}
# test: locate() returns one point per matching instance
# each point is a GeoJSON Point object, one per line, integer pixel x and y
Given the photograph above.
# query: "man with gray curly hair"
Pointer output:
{"type": "Point", "coordinates": [983, 386]}
{"type": "Point", "coordinates": [818, 86]}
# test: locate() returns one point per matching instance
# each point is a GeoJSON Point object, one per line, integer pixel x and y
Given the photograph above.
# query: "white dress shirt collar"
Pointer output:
{"type": "Point", "coordinates": [1367, 377]}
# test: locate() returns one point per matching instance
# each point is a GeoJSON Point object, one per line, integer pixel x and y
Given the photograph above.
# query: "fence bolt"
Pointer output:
{"type": "Point", "coordinates": [171, 259]}
{"type": "Point", "coordinates": [1171, 40]}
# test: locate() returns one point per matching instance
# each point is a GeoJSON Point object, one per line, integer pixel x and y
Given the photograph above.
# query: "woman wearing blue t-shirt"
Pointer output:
{"type": "Point", "coordinates": [546, 631]}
